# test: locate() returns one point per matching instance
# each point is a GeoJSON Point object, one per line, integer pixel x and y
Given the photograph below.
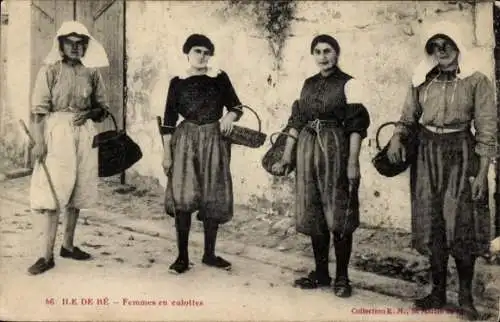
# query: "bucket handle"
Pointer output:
{"type": "Point", "coordinates": [109, 114]}
{"type": "Point", "coordinates": [284, 133]}
{"type": "Point", "coordinates": [377, 141]}
{"type": "Point", "coordinates": [239, 107]}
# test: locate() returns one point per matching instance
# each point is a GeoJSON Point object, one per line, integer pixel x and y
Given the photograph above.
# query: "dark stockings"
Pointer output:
{"type": "Point", "coordinates": [343, 249]}
{"type": "Point", "coordinates": [321, 248]}
{"type": "Point", "coordinates": [210, 228]}
{"type": "Point", "coordinates": [439, 271]}
{"type": "Point", "coordinates": [183, 225]}
{"type": "Point", "coordinates": [465, 268]}
{"type": "Point", "coordinates": [209, 258]}
{"type": "Point", "coordinates": [321, 276]}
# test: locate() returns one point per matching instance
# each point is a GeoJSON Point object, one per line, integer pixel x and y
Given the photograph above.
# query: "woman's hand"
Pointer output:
{"type": "Point", "coordinates": [81, 117]}
{"type": "Point", "coordinates": [98, 114]}
{"type": "Point", "coordinates": [39, 151]}
{"type": "Point", "coordinates": [167, 163]}
{"type": "Point", "coordinates": [353, 173]}
{"type": "Point", "coordinates": [480, 185]}
{"type": "Point", "coordinates": [226, 123]}
{"type": "Point", "coordinates": [396, 151]}
{"type": "Point", "coordinates": [282, 166]}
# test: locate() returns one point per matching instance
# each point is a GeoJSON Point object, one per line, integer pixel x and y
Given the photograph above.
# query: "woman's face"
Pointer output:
{"type": "Point", "coordinates": [74, 47]}
{"type": "Point", "coordinates": [324, 56]}
{"type": "Point", "coordinates": [444, 51]}
{"type": "Point", "coordinates": [198, 57]}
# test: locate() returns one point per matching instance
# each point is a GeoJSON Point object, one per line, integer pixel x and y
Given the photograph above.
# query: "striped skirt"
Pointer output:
{"type": "Point", "coordinates": [322, 188]}
{"type": "Point", "coordinates": [441, 195]}
{"type": "Point", "coordinates": [201, 177]}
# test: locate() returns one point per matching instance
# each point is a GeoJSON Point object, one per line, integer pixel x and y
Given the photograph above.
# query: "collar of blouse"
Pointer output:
{"type": "Point", "coordinates": [211, 72]}
{"type": "Point", "coordinates": [334, 71]}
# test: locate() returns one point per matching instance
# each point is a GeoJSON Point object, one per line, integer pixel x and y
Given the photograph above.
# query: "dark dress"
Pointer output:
{"type": "Point", "coordinates": [325, 120]}
{"type": "Point", "coordinates": [201, 177]}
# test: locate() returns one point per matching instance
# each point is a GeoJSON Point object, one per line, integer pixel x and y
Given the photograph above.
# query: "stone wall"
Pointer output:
{"type": "Point", "coordinates": [264, 47]}
{"type": "Point", "coordinates": [15, 79]}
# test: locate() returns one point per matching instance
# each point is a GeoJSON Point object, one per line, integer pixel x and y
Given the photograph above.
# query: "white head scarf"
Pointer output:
{"type": "Point", "coordinates": [95, 55]}
{"type": "Point", "coordinates": [465, 64]}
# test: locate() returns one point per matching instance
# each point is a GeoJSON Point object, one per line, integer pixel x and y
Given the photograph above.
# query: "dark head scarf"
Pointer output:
{"type": "Point", "coordinates": [325, 39]}
{"type": "Point", "coordinates": [196, 40]}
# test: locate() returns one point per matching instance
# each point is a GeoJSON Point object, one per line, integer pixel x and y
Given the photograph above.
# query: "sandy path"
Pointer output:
{"type": "Point", "coordinates": [134, 266]}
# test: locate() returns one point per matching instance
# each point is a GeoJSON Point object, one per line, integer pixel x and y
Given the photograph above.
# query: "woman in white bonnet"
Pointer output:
{"type": "Point", "coordinates": [68, 97]}
{"type": "Point", "coordinates": [449, 190]}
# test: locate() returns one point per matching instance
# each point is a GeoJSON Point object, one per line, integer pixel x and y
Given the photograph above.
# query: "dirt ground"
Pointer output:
{"type": "Point", "coordinates": [127, 280]}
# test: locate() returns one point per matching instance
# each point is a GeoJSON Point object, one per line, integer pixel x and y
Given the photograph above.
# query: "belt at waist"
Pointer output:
{"type": "Point", "coordinates": [315, 127]}
{"type": "Point", "coordinates": [317, 124]}
{"type": "Point", "coordinates": [325, 122]}
{"type": "Point", "coordinates": [200, 124]}
{"type": "Point", "coordinates": [439, 129]}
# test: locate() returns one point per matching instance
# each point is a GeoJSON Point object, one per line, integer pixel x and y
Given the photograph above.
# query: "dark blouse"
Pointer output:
{"type": "Point", "coordinates": [324, 98]}
{"type": "Point", "coordinates": [199, 99]}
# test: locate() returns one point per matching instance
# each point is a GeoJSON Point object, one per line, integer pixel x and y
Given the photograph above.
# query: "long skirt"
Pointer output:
{"type": "Point", "coordinates": [322, 187]}
{"type": "Point", "coordinates": [201, 177]}
{"type": "Point", "coordinates": [71, 162]}
{"type": "Point", "coordinates": [441, 195]}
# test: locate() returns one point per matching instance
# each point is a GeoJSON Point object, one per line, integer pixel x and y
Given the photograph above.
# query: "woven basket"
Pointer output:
{"type": "Point", "coordinates": [381, 161]}
{"type": "Point", "coordinates": [117, 151]}
{"type": "Point", "coordinates": [247, 137]}
{"type": "Point", "coordinates": [275, 153]}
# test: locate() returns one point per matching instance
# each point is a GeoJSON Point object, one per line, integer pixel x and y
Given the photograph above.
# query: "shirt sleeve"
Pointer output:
{"type": "Point", "coordinates": [411, 112]}
{"type": "Point", "coordinates": [171, 115]}
{"type": "Point", "coordinates": [297, 119]}
{"type": "Point", "coordinates": [485, 118]}
{"type": "Point", "coordinates": [357, 118]}
{"type": "Point", "coordinates": [230, 98]}
{"type": "Point", "coordinates": [41, 100]}
{"type": "Point", "coordinates": [99, 97]}
{"type": "Point", "coordinates": [355, 92]}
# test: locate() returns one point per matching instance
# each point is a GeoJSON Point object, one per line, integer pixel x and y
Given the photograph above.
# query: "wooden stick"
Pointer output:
{"type": "Point", "coordinates": [26, 155]}
{"type": "Point", "coordinates": [51, 185]}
